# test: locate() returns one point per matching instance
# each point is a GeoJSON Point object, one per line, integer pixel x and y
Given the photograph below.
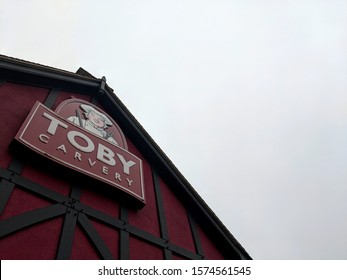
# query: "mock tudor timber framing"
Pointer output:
{"type": "Point", "coordinates": [76, 212]}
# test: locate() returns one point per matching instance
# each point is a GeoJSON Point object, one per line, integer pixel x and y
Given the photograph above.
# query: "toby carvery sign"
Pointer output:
{"type": "Point", "coordinates": [84, 138]}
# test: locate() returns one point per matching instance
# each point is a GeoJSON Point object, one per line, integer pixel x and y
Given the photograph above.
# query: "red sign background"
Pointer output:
{"type": "Point", "coordinates": [54, 137]}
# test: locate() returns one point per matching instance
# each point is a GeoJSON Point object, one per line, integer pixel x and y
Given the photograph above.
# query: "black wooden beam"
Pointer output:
{"type": "Point", "coordinates": [161, 214]}
{"type": "Point", "coordinates": [124, 252]}
{"type": "Point", "coordinates": [94, 236]}
{"type": "Point", "coordinates": [29, 218]}
{"type": "Point", "coordinates": [183, 252]}
{"type": "Point", "coordinates": [96, 214]}
{"type": "Point", "coordinates": [75, 193]}
{"type": "Point", "coordinates": [51, 97]}
{"type": "Point", "coordinates": [6, 189]}
{"type": "Point", "coordinates": [38, 189]}
{"type": "Point", "coordinates": [67, 235]}
{"type": "Point", "coordinates": [16, 165]}
{"type": "Point", "coordinates": [196, 238]}
{"type": "Point", "coordinates": [146, 236]}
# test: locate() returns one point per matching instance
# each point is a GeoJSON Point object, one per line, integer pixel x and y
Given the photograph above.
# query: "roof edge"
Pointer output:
{"type": "Point", "coordinates": [20, 65]}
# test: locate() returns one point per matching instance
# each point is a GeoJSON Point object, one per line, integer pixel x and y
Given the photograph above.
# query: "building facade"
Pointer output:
{"type": "Point", "coordinates": [82, 179]}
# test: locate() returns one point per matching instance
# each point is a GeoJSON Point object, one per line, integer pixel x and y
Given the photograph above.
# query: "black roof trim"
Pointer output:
{"type": "Point", "coordinates": [144, 140]}
{"type": "Point", "coordinates": [23, 66]}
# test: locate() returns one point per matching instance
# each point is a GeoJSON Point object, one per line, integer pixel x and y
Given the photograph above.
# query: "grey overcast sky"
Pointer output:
{"type": "Point", "coordinates": [247, 97]}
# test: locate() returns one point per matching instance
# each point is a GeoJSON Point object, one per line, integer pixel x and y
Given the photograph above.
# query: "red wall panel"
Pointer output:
{"type": "Point", "coordinates": [16, 102]}
{"type": "Point", "coordinates": [209, 249]}
{"type": "Point", "coordinates": [140, 250]}
{"type": "Point", "coordinates": [47, 179]}
{"type": "Point", "coordinates": [177, 219]}
{"type": "Point", "coordinates": [38, 242]}
{"type": "Point", "coordinates": [147, 217]}
{"type": "Point", "coordinates": [82, 248]}
{"type": "Point", "coordinates": [110, 236]}
{"type": "Point", "coordinates": [63, 95]}
{"type": "Point", "coordinates": [95, 196]}
{"type": "Point", "coordinates": [22, 201]}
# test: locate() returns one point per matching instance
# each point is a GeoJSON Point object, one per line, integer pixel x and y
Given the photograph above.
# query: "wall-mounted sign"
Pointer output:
{"type": "Point", "coordinates": [84, 138]}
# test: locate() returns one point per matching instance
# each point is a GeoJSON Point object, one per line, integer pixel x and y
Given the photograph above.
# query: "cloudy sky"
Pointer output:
{"type": "Point", "coordinates": [247, 97]}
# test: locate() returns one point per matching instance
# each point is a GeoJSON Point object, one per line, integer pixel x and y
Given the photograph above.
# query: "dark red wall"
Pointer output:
{"type": "Point", "coordinates": [144, 229]}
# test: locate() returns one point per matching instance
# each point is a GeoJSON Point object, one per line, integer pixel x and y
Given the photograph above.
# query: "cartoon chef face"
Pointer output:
{"type": "Point", "coordinates": [98, 119]}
